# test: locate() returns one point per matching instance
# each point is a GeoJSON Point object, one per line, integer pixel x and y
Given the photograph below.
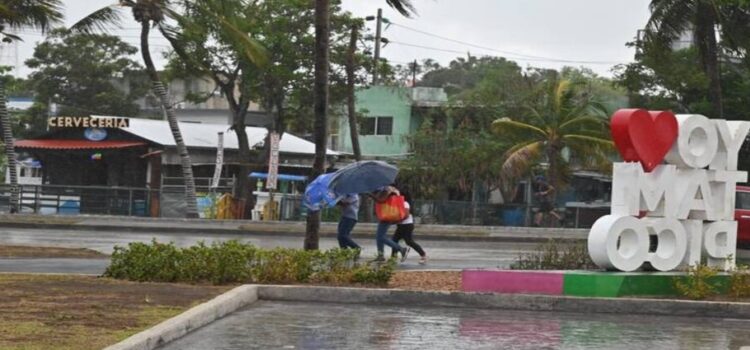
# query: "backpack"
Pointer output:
{"type": "Point", "coordinates": [392, 210]}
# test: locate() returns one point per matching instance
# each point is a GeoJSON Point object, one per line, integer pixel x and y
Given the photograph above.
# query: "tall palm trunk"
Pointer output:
{"type": "Point", "coordinates": [10, 150]}
{"type": "Point", "coordinates": [320, 88]}
{"type": "Point", "coordinates": [705, 40]}
{"type": "Point", "coordinates": [161, 92]}
{"type": "Point", "coordinates": [353, 132]}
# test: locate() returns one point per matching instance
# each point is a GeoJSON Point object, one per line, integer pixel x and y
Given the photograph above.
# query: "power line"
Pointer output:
{"type": "Point", "coordinates": [514, 58]}
{"type": "Point", "coordinates": [520, 56]}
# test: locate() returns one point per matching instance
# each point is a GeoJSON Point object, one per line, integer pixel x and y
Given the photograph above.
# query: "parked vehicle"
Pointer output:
{"type": "Point", "coordinates": [742, 215]}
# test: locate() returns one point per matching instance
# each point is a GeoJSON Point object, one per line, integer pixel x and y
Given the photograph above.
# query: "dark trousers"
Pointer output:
{"type": "Point", "coordinates": [406, 232]}
{"type": "Point", "coordinates": [346, 225]}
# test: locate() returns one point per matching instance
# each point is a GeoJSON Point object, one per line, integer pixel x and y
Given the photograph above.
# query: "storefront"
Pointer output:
{"type": "Point", "coordinates": [142, 154]}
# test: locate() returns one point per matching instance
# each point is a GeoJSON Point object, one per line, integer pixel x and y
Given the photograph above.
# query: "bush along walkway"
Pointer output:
{"type": "Point", "coordinates": [233, 262]}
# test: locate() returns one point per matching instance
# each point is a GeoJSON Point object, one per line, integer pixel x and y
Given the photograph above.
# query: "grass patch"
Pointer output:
{"type": "Point", "coordinates": [81, 312]}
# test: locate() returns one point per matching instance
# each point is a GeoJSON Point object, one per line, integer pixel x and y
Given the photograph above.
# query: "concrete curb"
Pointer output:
{"type": "Point", "coordinates": [525, 302]}
{"type": "Point", "coordinates": [190, 320]}
{"type": "Point", "coordinates": [292, 229]}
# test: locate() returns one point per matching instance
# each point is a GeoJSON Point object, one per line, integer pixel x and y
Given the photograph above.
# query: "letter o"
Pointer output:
{"type": "Point", "coordinates": [618, 242]}
{"type": "Point", "coordinates": [697, 142]}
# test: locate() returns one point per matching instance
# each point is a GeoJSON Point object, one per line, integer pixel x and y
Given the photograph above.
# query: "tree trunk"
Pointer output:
{"type": "Point", "coordinates": [320, 89]}
{"type": "Point", "coordinates": [353, 132]}
{"type": "Point", "coordinates": [161, 92]}
{"type": "Point", "coordinates": [241, 188]}
{"type": "Point", "coordinates": [10, 151]}
{"type": "Point", "coordinates": [705, 40]}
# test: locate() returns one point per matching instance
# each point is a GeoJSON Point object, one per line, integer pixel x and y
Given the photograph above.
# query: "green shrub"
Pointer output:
{"type": "Point", "coordinates": [697, 285]}
{"type": "Point", "coordinates": [553, 255]}
{"type": "Point", "coordinates": [739, 282]}
{"type": "Point", "coordinates": [236, 262]}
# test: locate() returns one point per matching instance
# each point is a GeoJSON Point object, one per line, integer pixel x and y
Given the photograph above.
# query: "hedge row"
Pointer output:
{"type": "Point", "coordinates": [232, 262]}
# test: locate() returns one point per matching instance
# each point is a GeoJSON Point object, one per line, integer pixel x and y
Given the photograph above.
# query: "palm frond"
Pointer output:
{"type": "Point", "coordinates": [583, 120]}
{"type": "Point", "coordinates": [40, 14]}
{"type": "Point", "coordinates": [669, 19]}
{"type": "Point", "coordinates": [98, 20]}
{"type": "Point", "coordinates": [520, 159]}
{"type": "Point", "coordinates": [404, 7]}
{"type": "Point", "coordinates": [506, 124]}
{"type": "Point", "coordinates": [254, 51]}
{"type": "Point", "coordinates": [591, 139]}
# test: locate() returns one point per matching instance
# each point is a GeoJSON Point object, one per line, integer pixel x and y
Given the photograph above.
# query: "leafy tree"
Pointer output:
{"type": "Point", "coordinates": [558, 119]}
{"type": "Point", "coordinates": [79, 72]}
{"type": "Point", "coordinates": [672, 18]}
{"type": "Point", "coordinates": [16, 14]}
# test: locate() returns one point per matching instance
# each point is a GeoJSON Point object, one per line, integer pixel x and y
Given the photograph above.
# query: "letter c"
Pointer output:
{"type": "Point", "coordinates": [618, 242]}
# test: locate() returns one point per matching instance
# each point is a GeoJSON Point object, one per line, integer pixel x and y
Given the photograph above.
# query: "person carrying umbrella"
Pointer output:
{"type": "Point", "coordinates": [349, 205]}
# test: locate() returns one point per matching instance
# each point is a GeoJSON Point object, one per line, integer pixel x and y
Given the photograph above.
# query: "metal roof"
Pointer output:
{"type": "Point", "coordinates": [204, 135]}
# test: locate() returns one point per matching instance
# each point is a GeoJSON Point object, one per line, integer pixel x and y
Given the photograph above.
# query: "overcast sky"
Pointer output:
{"type": "Point", "coordinates": [542, 33]}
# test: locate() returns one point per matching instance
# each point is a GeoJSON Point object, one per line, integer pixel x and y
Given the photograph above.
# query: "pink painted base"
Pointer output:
{"type": "Point", "coordinates": [518, 282]}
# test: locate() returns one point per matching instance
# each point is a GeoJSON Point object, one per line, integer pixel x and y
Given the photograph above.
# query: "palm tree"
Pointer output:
{"type": "Point", "coordinates": [558, 118]}
{"type": "Point", "coordinates": [151, 13]}
{"type": "Point", "coordinates": [16, 14]}
{"type": "Point", "coordinates": [672, 18]}
{"type": "Point", "coordinates": [320, 126]}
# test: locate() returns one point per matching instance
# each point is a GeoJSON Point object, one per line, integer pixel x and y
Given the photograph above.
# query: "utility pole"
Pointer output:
{"type": "Point", "coordinates": [414, 74]}
{"type": "Point", "coordinates": [378, 31]}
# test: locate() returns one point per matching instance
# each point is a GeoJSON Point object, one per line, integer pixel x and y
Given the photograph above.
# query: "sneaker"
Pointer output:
{"type": "Point", "coordinates": [379, 259]}
{"type": "Point", "coordinates": [423, 260]}
{"type": "Point", "coordinates": [404, 253]}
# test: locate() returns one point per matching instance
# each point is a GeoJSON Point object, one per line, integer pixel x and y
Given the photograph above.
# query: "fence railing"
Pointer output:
{"type": "Point", "coordinates": [56, 199]}
{"type": "Point", "coordinates": [129, 201]}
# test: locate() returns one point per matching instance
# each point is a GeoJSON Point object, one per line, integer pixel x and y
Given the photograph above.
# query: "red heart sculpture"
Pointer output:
{"type": "Point", "coordinates": [644, 136]}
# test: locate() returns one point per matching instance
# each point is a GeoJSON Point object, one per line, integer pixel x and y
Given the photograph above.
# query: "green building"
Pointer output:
{"type": "Point", "coordinates": [388, 115]}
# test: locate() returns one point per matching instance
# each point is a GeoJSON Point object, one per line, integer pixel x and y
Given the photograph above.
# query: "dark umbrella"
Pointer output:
{"type": "Point", "coordinates": [363, 176]}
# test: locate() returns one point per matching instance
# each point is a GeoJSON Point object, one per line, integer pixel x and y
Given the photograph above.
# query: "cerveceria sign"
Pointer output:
{"type": "Point", "coordinates": [88, 122]}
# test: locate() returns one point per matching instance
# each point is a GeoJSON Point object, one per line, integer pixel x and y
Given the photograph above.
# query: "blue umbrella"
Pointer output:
{"type": "Point", "coordinates": [319, 194]}
{"type": "Point", "coordinates": [363, 176]}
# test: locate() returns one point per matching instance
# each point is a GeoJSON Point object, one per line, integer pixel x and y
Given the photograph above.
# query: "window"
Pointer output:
{"type": "Point", "coordinates": [385, 125]}
{"type": "Point", "coordinates": [743, 200]}
{"type": "Point", "coordinates": [367, 126]}
{"type": "Point", "coordinates": [376, 126]}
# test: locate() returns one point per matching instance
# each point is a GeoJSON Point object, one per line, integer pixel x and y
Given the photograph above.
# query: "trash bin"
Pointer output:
{"type": "Point", "coordinates": [513, 217]}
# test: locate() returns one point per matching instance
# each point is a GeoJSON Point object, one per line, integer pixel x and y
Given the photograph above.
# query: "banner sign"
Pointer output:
{"type": "Point", "coordinates": [219, 161]}
{"type": "Point", "coordinates": [88, 122]}
{"type": "Point", "coordinates": [273, 161]}
{"type": "Point", "coordinates": [687, 204]}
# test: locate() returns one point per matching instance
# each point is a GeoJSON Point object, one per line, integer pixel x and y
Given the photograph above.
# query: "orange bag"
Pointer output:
{"type": "Point", "coordinates": [392, 210]}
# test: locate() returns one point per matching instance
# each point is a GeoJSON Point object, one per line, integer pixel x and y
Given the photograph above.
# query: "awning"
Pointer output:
{"type": "Point", "coordinates": [284, 177]}
{"type": "Point", "coordinates": [76, 144]}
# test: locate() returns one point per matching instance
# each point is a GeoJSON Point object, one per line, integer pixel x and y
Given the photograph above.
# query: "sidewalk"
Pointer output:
{"type": "Point", "coordinates": [364, 230]}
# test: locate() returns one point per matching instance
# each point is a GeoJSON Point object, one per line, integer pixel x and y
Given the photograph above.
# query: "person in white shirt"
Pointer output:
{"type": "Point", "coordinates": [405, 230]}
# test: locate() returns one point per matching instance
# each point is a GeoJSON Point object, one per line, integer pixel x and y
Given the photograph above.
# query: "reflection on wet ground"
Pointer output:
{"type": "Point", "coordinates": [287, 325]}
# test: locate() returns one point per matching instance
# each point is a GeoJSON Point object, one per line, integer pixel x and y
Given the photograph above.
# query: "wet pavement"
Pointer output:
{"type": "Point", "coordinates": [291, 325]}
{"type": "Point", "coordinates": [442, 254]}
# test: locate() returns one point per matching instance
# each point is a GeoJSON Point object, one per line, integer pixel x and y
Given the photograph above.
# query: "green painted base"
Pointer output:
{"type": "Point", "coordinates": [619, 284]}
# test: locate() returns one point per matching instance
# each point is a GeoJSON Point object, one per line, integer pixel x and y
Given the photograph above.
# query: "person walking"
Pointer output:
{"type": "Point", "coordinates": [405, 230]}
{"type": "Point", "coordinates": [349, 214]}
{"type": "Point", "coordinates": [542, 192]}
{"type": "Point", "coordinates": [381, 234]}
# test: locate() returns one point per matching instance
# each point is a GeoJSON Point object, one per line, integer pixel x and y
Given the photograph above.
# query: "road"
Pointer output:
{"type": "Point", "coordinates": [442, 254]}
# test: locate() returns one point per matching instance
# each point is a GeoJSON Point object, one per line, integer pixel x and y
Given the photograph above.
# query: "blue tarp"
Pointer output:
{"type": "Point", "coordinates": [284, 177]}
